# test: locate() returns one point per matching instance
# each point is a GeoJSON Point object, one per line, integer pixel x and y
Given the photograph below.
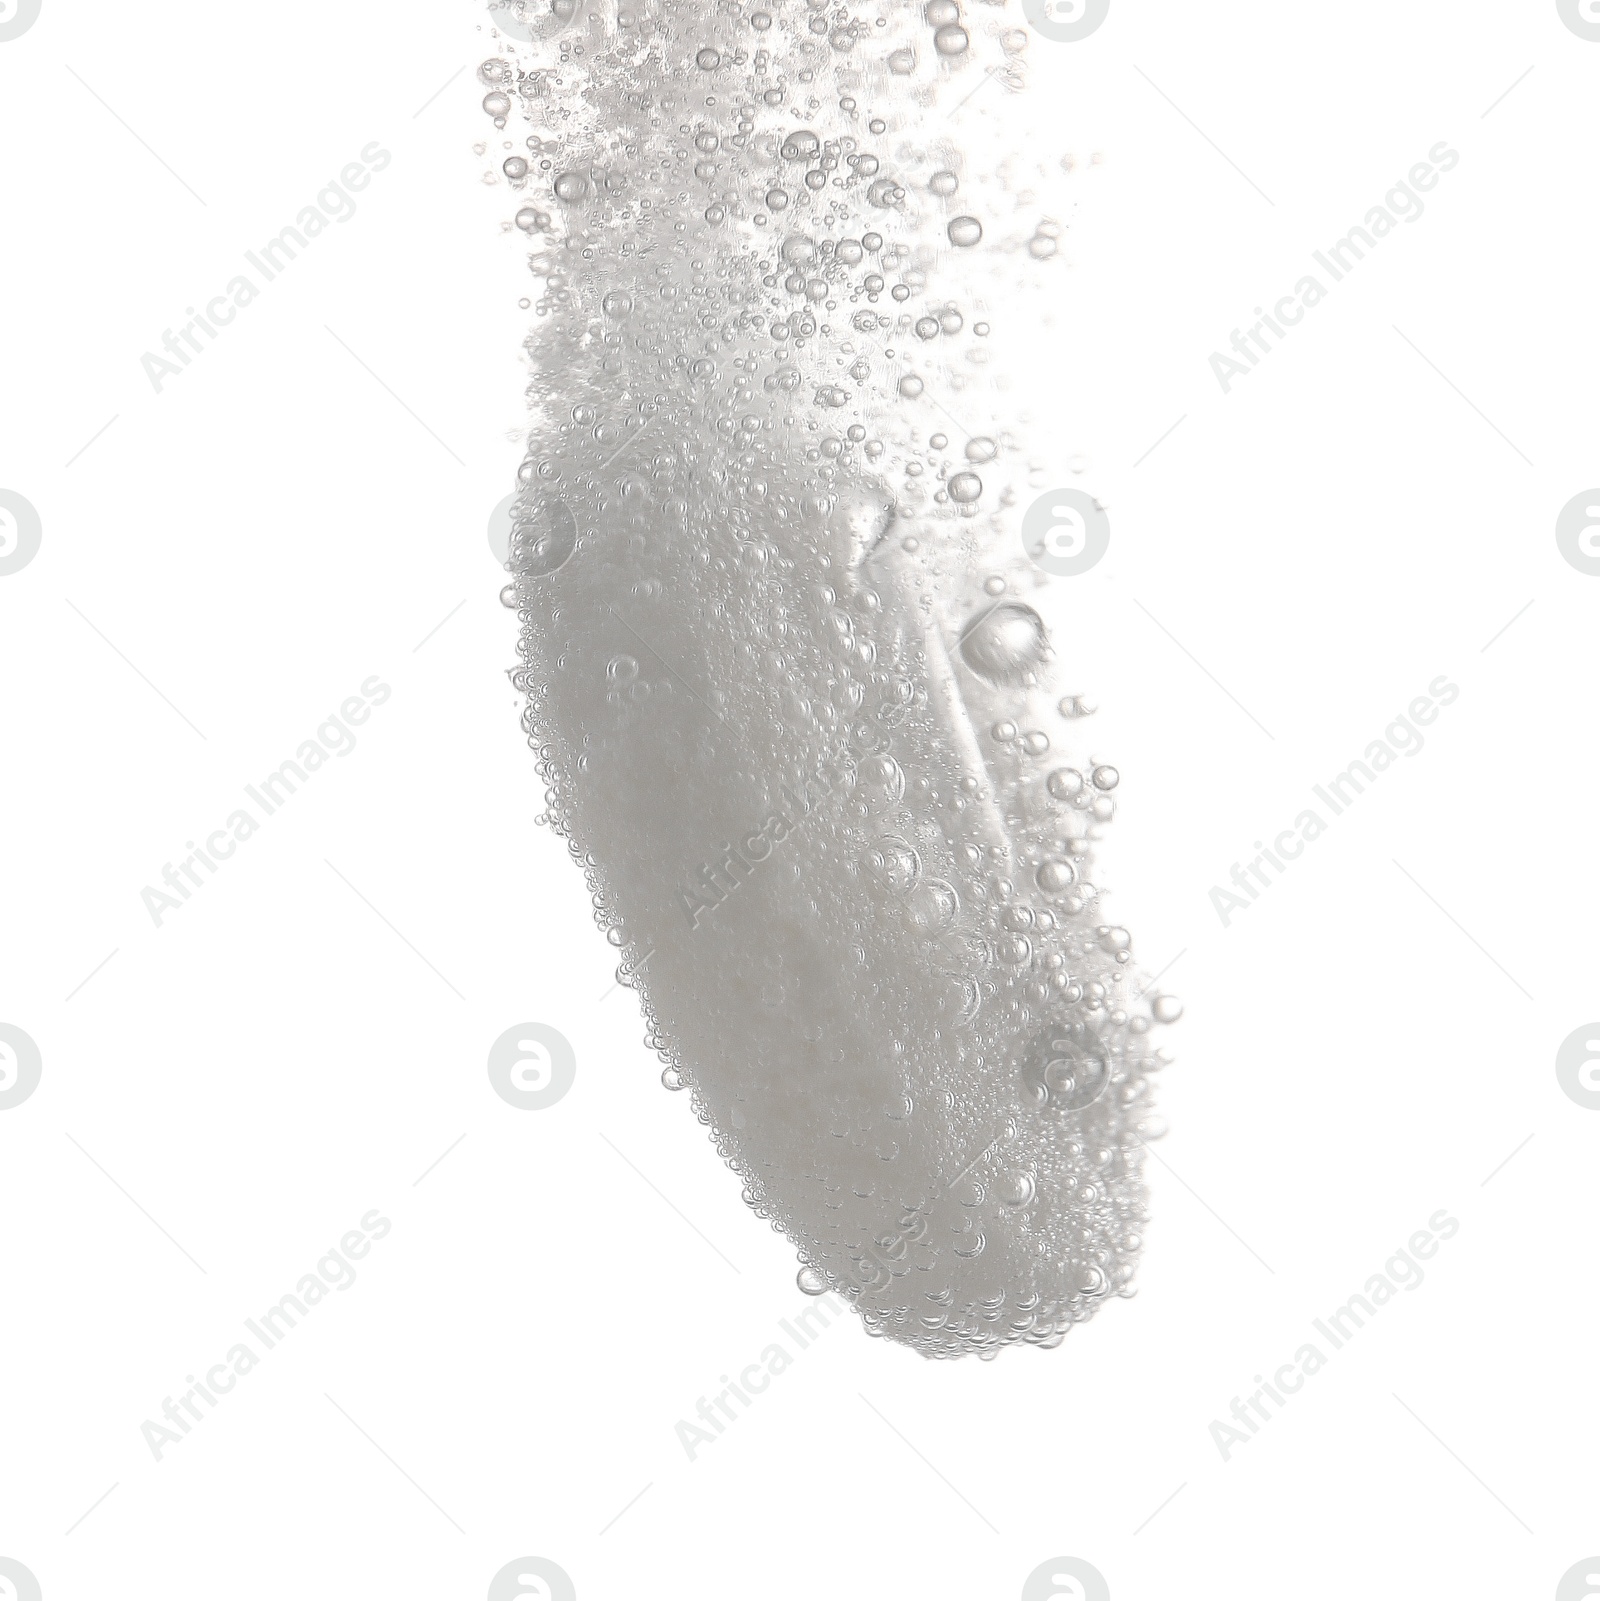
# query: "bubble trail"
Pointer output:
{"type": "Point", "coordinates": [788, 681]}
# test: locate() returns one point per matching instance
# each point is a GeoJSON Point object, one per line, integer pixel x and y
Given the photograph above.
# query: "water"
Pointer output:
{"type": "Point", "coordinates": [791, 698]}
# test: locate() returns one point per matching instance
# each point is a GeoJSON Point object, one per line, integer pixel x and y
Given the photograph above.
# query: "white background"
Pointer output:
{"type": "Point", "coordinates": [228, 1094]}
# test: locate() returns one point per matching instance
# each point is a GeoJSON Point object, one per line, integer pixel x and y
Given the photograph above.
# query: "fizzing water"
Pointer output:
{"type": "Point", "coordinates": [787, 682]}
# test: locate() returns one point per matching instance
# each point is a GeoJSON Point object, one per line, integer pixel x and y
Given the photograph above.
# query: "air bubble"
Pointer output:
{"type": "Point", "coordinates": [542, 542]}
{"type": "Point", "coordinates": [1056, 875]}
{"type": "Point", "coordinates": [1005, 644]}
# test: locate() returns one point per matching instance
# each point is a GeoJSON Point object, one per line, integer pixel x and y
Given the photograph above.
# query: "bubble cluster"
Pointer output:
{"type": "Point", "coordinates": [792, 704]}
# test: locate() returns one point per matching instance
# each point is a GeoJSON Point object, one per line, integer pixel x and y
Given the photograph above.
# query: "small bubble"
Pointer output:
{"type": "Point", "coordinates": [1015, 1189]}
{"type": "Point", "coordinates": [964, 232]}
{"type": "Point", "coordinates": [811, 1282]}
{"type": "Point", "coordinates": [1167, 1009]}
{"type": "Point", "coordinates": [708, 60]}
{"type": "Point", "coordinates": [893, 863]}
{"type": "Point", "coordinates": [1055, 875]}
{"type": "Point", "coordinates": [543, 539]}
{"type": "Point", "coordinates": [571, 187]}
{"type": "Point", "coordinates": [1065, 783]}
{"type": "Point", "coordinates": [1106, 778]}
{"type": "Point", "coordinates": [1006, 644]}
{"type": "Point", "coordinates": [965, 488]}
{"type": "Point", "coordinates": [950, 40]}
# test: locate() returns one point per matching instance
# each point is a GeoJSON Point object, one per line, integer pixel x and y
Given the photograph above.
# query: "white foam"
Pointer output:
{"type": "Point", "coordinates": [794, 706]}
